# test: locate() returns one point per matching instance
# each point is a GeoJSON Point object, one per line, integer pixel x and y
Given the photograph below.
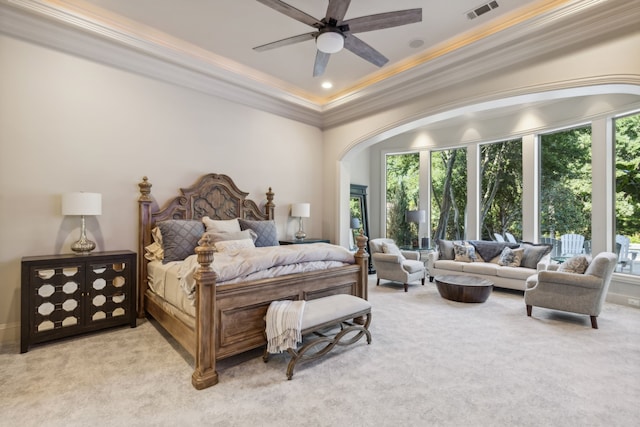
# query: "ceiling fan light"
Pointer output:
{"type": "Point", "coordinates": [330, 42]}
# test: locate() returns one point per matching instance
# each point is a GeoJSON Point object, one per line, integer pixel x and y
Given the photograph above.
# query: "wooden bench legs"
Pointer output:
{"type": "Point", "coordinates": [317, 347]}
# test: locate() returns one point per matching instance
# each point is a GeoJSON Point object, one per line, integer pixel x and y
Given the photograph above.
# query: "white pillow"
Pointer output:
{"type": "Point", "coordinates": [392, 248]}
{"type": "Point", "coordinates": [234, 245]}
{"type": "Point", "coordinates": [220, 225]}
{"type": "Point", "coordinates": [215, 237]}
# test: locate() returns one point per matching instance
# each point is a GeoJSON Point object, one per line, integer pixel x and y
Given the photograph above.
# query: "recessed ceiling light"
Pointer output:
{"type": "Point", "coordinates": [416, 43]}
{"type": "Point", "coordinates": [327, 85]}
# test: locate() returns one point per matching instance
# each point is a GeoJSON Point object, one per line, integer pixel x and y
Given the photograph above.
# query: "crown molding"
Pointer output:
{"type": "Point", "coordinates": [568, 28]}
{"type": "Point", "coordinates": [574, 24]}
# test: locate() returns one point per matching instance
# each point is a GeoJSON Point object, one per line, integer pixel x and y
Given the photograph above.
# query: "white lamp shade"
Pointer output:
{"type": "Point", "coordinates": [330, 42]}
{"type": "Point", "coordinates": [82, 204]}
{"type": "Point", "coordinates": [301, 210]}
{"type": "Point", "coordinates": [418, 217]}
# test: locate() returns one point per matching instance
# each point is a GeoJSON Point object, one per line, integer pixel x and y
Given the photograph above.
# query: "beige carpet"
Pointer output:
{"type": "Point", "coordinates": [431, 362]}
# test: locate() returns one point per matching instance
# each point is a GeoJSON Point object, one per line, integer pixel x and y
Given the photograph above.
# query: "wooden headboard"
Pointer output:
{"type": "Point", "coordinates": [213, 195]}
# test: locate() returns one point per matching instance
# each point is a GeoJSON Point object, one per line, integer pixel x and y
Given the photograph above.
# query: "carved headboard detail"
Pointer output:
{"type": "Point", "coordinates": [213, 195]}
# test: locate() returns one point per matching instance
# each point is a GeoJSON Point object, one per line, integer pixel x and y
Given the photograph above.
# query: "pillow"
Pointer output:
{"type": "Point", "coordinates": [266, 231]}
{"type": "Point", "coordinates": [533, 253]}
{"type": "Point", "coordinates": [154, 252]}
{"type": "Point", "coordinates": [577, 264]}
{"type": "Point", "coordinates": [445, 249]}
{"type": "Point", "coordinates": [511, 257]}
{"type": "Point", "coordinates": [234, 245]}
{"type": "Point", "coordinates": [464, 252]}
{"type": "Point", "coordinates": [215, 237]}
{"type": "Point", "coordinates": [179, 238]}
{"type": "Point", "coordinates": [221, 225]}
{"type": "Point", "coordinates": [393, 249]}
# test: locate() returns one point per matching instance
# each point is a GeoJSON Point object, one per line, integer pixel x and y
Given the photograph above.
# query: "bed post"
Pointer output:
{"type": "Point", "coordinates": [269, 207]}
{"type": "Point", "coordinates": [362, 259]}
{"type": "Point", "coordinates": [144, 233]}
{"type": "Point", "coordinates": [205, 374]}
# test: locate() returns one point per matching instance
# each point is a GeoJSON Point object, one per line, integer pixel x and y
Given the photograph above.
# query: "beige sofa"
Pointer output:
{"type": "Point", "coordinates": [534, 258]}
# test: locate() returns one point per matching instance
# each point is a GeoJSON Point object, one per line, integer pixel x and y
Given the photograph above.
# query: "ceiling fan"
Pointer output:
{"type": "Point", "coordinates": [332, 33]}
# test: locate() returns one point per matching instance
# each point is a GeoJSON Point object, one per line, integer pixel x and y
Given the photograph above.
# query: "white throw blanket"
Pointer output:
{"type": "Point", "coordinates": [284, 325]}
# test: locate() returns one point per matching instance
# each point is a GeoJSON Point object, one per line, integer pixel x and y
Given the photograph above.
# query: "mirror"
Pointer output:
{"type": "Point", "coordinates": [359, 217]}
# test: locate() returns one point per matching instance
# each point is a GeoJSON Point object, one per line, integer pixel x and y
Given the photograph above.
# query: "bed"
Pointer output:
{"type": "Point", "coordinates": [228, 318]}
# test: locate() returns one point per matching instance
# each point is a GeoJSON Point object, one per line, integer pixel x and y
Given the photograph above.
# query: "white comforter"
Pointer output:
{"type": "Point", "coordinates": [271, 261]}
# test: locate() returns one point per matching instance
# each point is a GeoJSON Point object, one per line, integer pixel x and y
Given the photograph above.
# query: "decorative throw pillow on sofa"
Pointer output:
{"type": "Point", "coordinates": [533, 253]}
{"type": "Point", "coordinates": [445, 249]}
{"type": "Point", "coordinates": [577, 264]}
{"type": "Point", "coordinates": [511, 257]}
{"type": "Point", "coordinates": [464, 252]}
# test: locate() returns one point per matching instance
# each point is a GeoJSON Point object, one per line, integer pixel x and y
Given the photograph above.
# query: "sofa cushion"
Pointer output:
{"type": "Point", "coordinates": [481, 268]}
{"type": "Point", "coordinates": [533, 253]}
{"type": "Point", "coordinates": [413, 266]}
{"type": "Point", "coordinates": [519, 273]}
{"type": "Point", "coordinates": [464, 252]}
{"type": "Point", "coordinates": [445, 264]}
{"type": "Point", "coordinates": [577, 264]}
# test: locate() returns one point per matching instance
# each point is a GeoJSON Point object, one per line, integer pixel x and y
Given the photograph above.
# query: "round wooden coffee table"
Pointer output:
{"type": "Point", "coordinates": [464, 288]}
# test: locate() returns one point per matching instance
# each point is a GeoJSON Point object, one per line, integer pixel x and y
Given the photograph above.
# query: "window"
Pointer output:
{"type": "Point", "coordinates": [501, 192]}
{"type": "Point", "coordinates": [565, 186]}
{"type": "Point", "coordinates": [402, 177]}
{"type": "Point", "coordinates": [449, 194]}
{"type": "Point", "coordinates": [627, 201]}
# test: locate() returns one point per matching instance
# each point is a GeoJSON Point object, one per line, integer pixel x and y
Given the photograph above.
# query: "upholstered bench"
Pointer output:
{"type": "Point", "coordinates": [323, 313]}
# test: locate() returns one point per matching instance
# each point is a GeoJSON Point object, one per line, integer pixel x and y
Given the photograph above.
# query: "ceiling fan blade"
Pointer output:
{"type": "Point", "coordinates": [384, 20]}
{"type": "Point", "coordinates": [286, 42]}
{"type": "Point", "coordinates": [337, 9]}
{"type": "Point", "coordinates": [322, 59]}
{"type": "Point", "coordinates": [363, 50]}
{"type": "Point", "coordinates": [292, 12]}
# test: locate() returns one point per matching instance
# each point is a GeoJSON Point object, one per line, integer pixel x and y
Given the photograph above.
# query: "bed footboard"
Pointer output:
{"type": "Point", "coordinates": [230, 318]}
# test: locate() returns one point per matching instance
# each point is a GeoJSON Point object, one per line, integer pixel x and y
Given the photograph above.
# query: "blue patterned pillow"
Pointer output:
{"type": "Point", "coordinates": [266, 231]}
{"type": "Point", "coordinates": [511, 257]}
{"type": "Point", "coordinates": [179, 238]}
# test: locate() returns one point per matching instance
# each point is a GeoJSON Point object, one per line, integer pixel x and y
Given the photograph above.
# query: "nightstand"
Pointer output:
{"type": "Point", "coordinates": [65, 295]}
{"type": "Point", "coordinates": [307, 240]}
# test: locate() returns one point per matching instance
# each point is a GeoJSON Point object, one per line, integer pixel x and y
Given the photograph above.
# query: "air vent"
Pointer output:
{"type": "Point", "coordinates": [481, 10]}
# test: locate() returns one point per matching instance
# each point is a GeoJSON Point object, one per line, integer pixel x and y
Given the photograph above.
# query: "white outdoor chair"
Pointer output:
{"type": "Point", "coordinates": [625, 258]}
{"type": "Point", "coordinates": [572, 244]}
{"type": "Point", "coordinates": [510, 238]}
{"type": "Point", "coordinates": [498, 237]}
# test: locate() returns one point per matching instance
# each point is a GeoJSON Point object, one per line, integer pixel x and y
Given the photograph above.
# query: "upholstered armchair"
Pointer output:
{"type": "Point", "coordinates": [573, 292]}
{"type": "Point", "coordinates": [394, 264]}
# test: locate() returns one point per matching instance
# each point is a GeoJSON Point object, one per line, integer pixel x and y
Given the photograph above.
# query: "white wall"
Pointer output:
{"type": "Point", "coordinates": [68, 124]}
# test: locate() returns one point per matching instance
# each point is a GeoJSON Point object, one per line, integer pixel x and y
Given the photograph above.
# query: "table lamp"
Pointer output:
{"type": "Point", "coordinates": [82, 204]}
{"type": "Point", "coordinates": [418, 217]}
{"type": "Point", "coordinates": [300, 210]}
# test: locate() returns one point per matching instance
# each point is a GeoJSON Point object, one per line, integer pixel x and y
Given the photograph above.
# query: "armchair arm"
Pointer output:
{"type": "Point", "coordinates": [389, 258]}
{"type": "Point", "coordinates": [569, 279]}
{"type": "Point", "coordinates": [414, 255]}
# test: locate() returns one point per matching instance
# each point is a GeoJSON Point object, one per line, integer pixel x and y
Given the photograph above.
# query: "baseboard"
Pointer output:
{"type": "Point", "coordinates": [623, 300]}
{"type": "Point", "coordinates": [9, 333]}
